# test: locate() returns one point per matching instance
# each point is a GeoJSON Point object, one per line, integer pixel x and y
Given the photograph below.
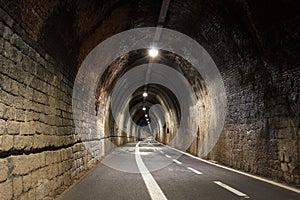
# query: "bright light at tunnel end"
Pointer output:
{"type": "Point", "coordinates": [153, 52]}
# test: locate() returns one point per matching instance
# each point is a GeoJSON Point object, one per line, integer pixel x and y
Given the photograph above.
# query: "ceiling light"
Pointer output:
{"type": "Point", "coordinates": [145, 94]}
{"type": "Point", "coordinates": [153, 52]}
{"type": "Point", "coordinates": [144, 108]}
{"type": "Point", "coordinates": [146, 115]}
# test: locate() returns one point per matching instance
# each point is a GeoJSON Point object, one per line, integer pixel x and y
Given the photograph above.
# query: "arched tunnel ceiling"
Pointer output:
{"type": "Point", "coordinates": [157, 94]}
{"type": "Point", "coordinates": [232, 31]}
{"type": "Point", "coordinates": [139, 57]}
{"type": "Point", "coordinates": [269, 28]}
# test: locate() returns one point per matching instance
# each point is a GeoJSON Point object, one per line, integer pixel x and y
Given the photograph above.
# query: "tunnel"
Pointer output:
{"type": "Point", "coordinates": [140, 99]}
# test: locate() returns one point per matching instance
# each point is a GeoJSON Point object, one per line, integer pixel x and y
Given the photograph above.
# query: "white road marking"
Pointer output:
{"type": "Point", "coordinates": [194, 170]}
{"type": "Point", "coordinates": [162, 152]}
{"type": "Point", "coordinates": [239, 172]}
{"type": "Point", "coordinates": [168, 156]}
{"type": "Point", "coordinates": [178, 162]}
{"type": "Point", "coordinates": [238, 193]}
{"type": "Point", "coordinates": [153, 188]}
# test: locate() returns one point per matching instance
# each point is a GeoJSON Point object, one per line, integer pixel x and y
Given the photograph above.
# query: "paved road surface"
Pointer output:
{"type": "Point", "coordinates": [136, 172]}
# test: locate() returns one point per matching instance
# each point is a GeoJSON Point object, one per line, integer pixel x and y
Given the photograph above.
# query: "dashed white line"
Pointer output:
{"type": "Point", "coordinates": [178, 162]}
{"type": "Point", "coordinates": [153, 188]}
{"type": "Point", "coordinates": [237, 171]}
{"type": "Point", "coordinates": [168, 156]}
{"type": "Point", "coordinates": [194, 170]}
{"type": "Point", "coordinates": [238, 193]}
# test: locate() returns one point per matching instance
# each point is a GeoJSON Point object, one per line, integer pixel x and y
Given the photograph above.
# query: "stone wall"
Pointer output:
{"type": "Point", "coordinates": [261, 134]}
{"type": "Point", "coordinates": [39, 152]}
{"type": "Point", "coordinates": [255, 52]}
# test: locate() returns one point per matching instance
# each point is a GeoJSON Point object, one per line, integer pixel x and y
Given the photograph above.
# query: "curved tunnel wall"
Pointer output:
{"type": "Point", "coordinates": [254, 50]}
{"type": "Point", "coordinates": [39, 151]}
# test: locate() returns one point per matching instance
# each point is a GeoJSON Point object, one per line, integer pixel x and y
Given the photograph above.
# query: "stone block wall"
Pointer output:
{"type": "Point", "coordinates": [265, 141]}
{"type": "Point", "coordinates": [39, 151]}
{"type": "Point", "coordinates": [256, 56]}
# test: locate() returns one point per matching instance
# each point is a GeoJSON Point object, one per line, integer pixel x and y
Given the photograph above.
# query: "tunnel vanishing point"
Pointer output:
{"type": "Point", "coordinates": [149, 99]}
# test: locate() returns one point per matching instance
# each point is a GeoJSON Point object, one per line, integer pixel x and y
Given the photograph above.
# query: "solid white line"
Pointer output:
{"type": "Point", "coordinates": [168, 156]}
{"type": "Point", "coordinates": [178, 162]}
{"type": "Point", "coordinates": [153, 188]}
{"type": "Point", "coordinates": [194, 170]}
{"type": "Point", "coordinates": [239, 172]}
{"type": "Point", "coordinates": [238, 193]}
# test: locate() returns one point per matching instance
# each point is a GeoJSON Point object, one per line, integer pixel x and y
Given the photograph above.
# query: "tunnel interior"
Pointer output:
{"type": "Point", "coordinates": [166, 119]}
{"type": "Point", "coordinates": [254, 44]}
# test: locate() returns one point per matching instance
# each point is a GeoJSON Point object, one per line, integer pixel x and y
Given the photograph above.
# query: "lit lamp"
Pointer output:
{"type": "Point", "coordinates": [153, 52]}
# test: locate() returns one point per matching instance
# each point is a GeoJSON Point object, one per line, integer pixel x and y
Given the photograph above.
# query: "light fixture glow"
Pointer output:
{"type": "Point", "coordinates": [153, 52]}
{"type": "Point", "coordinates": [144, 108]}
{"type": "Point", "coordinates": [146, 115]}
{"type": "Point", "coordinates": [145, 94]}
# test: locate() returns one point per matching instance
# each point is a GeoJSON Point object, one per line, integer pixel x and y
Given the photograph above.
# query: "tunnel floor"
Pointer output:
{"type": "Point", "coordinates": [167, 174]}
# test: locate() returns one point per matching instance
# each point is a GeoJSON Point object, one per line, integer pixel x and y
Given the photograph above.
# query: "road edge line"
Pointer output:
{"type": "Point", "coordinates": [153, 188]}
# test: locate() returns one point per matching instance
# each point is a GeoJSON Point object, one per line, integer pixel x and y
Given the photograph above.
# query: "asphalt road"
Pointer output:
{"type": "Point", "coordinates": [149, 170]}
